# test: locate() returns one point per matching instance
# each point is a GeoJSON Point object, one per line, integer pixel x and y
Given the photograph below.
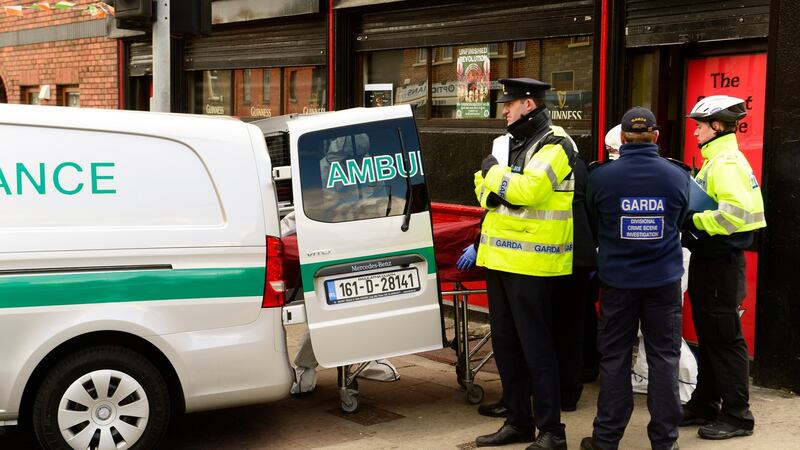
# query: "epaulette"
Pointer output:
{"type": "Point", "coordinates": [679, 163]}
{"type": "Point", "coordinates": [558, 131]}
{"type": "Point", "coordinates": [595, 164]}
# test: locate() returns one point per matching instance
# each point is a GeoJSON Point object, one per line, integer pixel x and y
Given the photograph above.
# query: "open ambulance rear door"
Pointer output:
{"type": "Point", "coordinates": [364, 235]}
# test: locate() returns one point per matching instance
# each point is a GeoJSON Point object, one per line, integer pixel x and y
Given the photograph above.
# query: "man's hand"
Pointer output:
{"type": "Point", "coordinates": [488, 162]}
{"type": "Point", "coordinates": [467, 259]}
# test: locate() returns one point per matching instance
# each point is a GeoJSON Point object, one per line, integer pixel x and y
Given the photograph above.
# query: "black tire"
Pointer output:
{"type": "Point", "coordinates": [474, 394]}
{"type": "Point", "coordinates": [352, 407]}
{"type": "Point", "coordinates": [119, 363]}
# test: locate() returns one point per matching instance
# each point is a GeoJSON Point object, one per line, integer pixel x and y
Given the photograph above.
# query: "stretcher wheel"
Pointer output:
{"type": "Point", "coordinates": [352, 406]}
{"type": "Point", "coordinates": [474, 394]}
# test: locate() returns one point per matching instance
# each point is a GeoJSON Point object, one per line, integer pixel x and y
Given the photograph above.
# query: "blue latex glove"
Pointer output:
{"type": "Point", "coordinates": [467, 259]}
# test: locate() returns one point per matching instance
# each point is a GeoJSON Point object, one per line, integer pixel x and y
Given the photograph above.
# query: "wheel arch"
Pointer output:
{"type": "Point", "coordinates": [133, 342]}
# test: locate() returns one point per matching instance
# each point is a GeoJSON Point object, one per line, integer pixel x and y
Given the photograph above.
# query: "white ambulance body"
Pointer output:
{"type": "Point", "coordinates": [141, 273]}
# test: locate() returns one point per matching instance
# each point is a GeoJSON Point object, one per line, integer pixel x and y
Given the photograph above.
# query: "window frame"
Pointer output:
{"type": "Point", "coordinates": [580, 41]}
{"type": "Point", "coordinates": [266, 84]}
{"type": "Point", "coordinates": [291, 91]}
{"type": "Point", "coordinates": [559, 72]}
{"type": "Point", "coordinates": [63, 94]}
{"type": "Point", "coordinates": [445, 59]}
{"type": "Point", "coordinates": [28, 93]}
{"type": "Point", "coordinates": [422, 56]}
{"type": "Point", "coordinates": [246, 85]}
{"type": "Point", "coordinates": [519, 53]}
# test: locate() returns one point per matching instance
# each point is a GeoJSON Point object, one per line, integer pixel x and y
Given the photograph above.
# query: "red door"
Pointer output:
{"type": "Point", "coordinates": [742, 76]}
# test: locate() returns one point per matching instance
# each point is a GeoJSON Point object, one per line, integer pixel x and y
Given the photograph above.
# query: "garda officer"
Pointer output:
{"type": "Point", "coordinates": [716, 271]}
{"type": "Point", "coordinates": [526, 247]}
{"type": "Point", "coordinates": [639, 202]}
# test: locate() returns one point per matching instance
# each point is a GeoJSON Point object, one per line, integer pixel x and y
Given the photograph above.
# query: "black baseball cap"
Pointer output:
{"type": "Point", "coordinates": [639, 120]}
{"type": "Point", "coordinates": [515, 88]}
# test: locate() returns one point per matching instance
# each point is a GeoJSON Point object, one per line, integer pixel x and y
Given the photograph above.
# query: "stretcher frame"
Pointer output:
{"type": "Point", "coordinates": [465, 374]}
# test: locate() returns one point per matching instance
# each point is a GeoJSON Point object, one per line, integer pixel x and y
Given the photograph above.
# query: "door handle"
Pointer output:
{"type": "Point", "coordinates": [368, 264]}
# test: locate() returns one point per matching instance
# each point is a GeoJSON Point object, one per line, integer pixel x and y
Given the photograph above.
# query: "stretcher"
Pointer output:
{"type": "Point", "coordinates": [454, 227]}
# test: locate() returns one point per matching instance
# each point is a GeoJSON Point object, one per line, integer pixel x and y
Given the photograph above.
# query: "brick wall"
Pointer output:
{"type": "Point", "coordinates": [559, 55]}
{"type": "Point", "coordinates": [90, 64]}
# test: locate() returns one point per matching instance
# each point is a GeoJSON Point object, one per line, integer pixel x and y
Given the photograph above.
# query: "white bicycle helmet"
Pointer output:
{"type": "Point", "coordinates": [718, 107]}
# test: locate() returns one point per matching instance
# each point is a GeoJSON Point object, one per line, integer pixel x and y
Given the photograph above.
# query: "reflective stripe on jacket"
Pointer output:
{"type": "Point", "coordinates": [535, 239]}
{"type": "Point", "coordinates": [728, 178]}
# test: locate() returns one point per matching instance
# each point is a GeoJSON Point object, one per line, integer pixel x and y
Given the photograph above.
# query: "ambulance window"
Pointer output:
{"type": "Point", "coordinates": [358, 172]}
{"type": "Point", "coordinates": [278, 147]}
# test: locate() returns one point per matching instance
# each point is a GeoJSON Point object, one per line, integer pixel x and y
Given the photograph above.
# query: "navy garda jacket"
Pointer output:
{"type": "Point", "coordinates": [638, 203]}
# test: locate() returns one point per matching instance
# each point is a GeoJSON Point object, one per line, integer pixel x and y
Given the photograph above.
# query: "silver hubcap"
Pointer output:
{"type": "Point", "coordinates": [103, 410]}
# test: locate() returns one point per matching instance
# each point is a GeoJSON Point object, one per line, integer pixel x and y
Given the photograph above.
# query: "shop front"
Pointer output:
{"type": "Point", "coordinates": [446, 59]}
{"type": "Point", "coordinates": [262, 59]}
{"type": "Point", "coordinates": [258, 72]}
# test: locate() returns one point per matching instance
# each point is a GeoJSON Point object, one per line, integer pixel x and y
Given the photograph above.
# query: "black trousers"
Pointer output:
{"type": "Point", "coordinates": [521, 317]}
{"type": "Point", "coordinates": [716, 289]}
{"type": "Point", "coordinates": [591, 357]}
{"type": "Point", "coordinates": [569, 318]}
{"type": "Point", "coordinates": [659, 310]}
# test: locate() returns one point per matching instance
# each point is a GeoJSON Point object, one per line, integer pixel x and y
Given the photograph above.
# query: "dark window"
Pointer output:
{"type": "Point", "coordinates": [69, 96]}
{"type": "Point", "coordinates": [358, 172]}
{"type": "Point", "coordinates": [30, 95]}
{"type": "Point", "coordinates": [266, 85]}
{"type": "Point", "coordinates": [246, 86]}
{"type": "Point", "coordinates": [293, 86]}
{"type": "Point", "coordinates": [278, 147]}
{"type": "Point", "coordinates": [563, 81]}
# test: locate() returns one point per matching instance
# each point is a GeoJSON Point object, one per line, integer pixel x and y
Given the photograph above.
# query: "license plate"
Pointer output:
{"type": "Point", "coordinates": [374, 285]}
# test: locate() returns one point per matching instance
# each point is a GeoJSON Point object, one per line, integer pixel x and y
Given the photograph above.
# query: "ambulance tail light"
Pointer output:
{"type": "Point", "coordinates": [274, 286]}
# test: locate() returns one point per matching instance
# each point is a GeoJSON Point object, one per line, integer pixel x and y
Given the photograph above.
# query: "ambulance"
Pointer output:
{"type": "Point", "coordinates": [141, 265]}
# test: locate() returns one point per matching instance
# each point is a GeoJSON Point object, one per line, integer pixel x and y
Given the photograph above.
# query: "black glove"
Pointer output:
{"type": "Point", "coordinates": [688, 223]}
{"type": "Point", "coordinates": [488, 162]}
{"type": "Point", "coordinates": [494, 200]}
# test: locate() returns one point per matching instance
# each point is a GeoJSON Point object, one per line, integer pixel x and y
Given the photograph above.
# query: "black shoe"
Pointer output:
{"type": "Point", "coordinates": [569, 407]}
{"type": "Point", "coordinates": [507, 434]}
{"type": "Point", "coordinates": [493, 409]}
{"type": "Point", "coordinates": [548, 441]}
{"type": "Point", "coordinates": [722, 430]}
{"type": "Point", "coordinates": [692, 418]}
{"type": "Point", "coordinates": [588, 444]}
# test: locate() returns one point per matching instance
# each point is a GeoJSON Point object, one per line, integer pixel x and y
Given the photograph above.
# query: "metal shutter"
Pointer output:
{"type": "Point", "coordinates": [649, 23]}
{"type": "Point", "coordinates": [454, 23]}
{"type": "Point", "coordinates": [296, 43]}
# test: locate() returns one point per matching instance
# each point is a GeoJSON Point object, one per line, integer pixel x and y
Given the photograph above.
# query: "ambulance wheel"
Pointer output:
{"type": "Point", "coordinates": [103, 397]}
{"type": "Point", "coordinates": [352, 406]}
{"type": "Point", "coordinates": [474, 394]}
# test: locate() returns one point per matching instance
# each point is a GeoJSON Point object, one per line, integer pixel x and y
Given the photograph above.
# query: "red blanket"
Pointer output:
{"type": "Point", "coordinates": [454, 227]}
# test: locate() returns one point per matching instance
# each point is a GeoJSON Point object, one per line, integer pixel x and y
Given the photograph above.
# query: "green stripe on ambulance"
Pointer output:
{"type": "Point", "coordinates": [129, 286]}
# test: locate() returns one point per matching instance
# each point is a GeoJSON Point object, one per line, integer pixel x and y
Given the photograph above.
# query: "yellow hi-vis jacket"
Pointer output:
{"type": "Point", "coordinates": [727, 177]}
{"type": "Point", "coordinates": [535, 239]}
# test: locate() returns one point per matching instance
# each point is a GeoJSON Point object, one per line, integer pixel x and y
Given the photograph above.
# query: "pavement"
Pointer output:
{"type": "Point", "coordinates": [426, 409]}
